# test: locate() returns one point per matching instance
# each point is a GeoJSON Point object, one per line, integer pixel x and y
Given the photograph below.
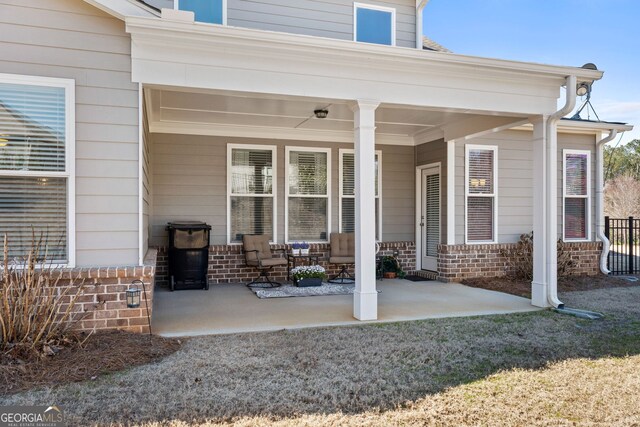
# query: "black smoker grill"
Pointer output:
{"type": "Point", "coordinates": [188, 255]}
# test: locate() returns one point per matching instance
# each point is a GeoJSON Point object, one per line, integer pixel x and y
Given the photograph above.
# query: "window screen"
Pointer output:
{"type": "Point", "coordinates": [251, 199]}
{"type": "Point", "coordinates": [33, 170]}
{"type": "Point", "coordinates": [308, 195]}
{"type": "Point", "coordinates": [576, 194]}
{"type": "Point", "coordinates": [347, 195]}
{"type": "Point", "coordinates": [481, 193]}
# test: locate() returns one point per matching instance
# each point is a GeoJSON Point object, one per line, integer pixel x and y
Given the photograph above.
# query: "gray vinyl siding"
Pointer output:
{"type": "Point", "coordinates": [71, 39]}
{"type": "Point", "coordinates": [436, 152]}
{"type": "Point", "coordinates": [189, 182]}
{"type": "Point", "coordinates": [516, 181]}
{"type": "Point", "coordinates": [321, 18]}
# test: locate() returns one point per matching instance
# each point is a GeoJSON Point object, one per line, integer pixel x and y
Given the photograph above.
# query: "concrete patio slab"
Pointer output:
{"type": "Point", "coordinates": [234, 308]}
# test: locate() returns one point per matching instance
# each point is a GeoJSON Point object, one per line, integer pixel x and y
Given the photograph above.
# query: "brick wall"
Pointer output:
{"type": "Point", "coordinates": [458, 262]}
{"type": "Point", "coordinates": [226, 262]}
{"type": "Point", "coordinates": [102, 302]}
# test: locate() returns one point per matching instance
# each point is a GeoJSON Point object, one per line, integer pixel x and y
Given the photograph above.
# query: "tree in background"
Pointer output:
{"type": "Point", "coordinates": [622, 180]}
{"type": "Point", "coordinates": [622, 197]}
{"type": "Point", "coordinates": [623, 160]}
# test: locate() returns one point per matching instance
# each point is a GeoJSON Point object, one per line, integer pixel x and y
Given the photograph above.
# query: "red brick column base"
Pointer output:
{"type": "Point", "coordinates": [459, 262]}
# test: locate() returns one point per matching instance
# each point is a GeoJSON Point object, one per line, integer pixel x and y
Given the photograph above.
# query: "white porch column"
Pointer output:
{"type": "Point", "coordinates": [365, 297]}
{"type": "Point", "coordinates": [451, 192]}
{"type": "Point", "coordinates": [539, 288]}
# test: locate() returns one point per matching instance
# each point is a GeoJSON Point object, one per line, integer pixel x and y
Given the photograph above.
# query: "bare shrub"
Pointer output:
{"type": "Point", "coordinates": [622, 197]}
{"type": "Point", "coordinates": [520, 259]}
{"type": "Point", "coordinates": [36, 314]}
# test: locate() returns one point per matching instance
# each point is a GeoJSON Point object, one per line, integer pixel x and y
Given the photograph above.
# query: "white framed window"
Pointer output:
{"type": "Point", "coordinates": [576, 195]}
{"type": "Point", "coordinates": [481, 193]}
{"type": "Point", "coordinates": [251, 191]}
{"type": "Point", "coordinates": [37, 165]}
{"type": "Point", "coordinates": [347, 207]}
{"type": "Point", "coordinates": [308, 194]}
{"type": "Point", "coordinates": [209, 11]}
{"type": "Point", "coordinates": [374, 24]}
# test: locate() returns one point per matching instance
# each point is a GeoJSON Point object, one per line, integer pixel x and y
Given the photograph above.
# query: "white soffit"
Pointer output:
{"type": "Point", "coordinates": [124, 8]}
{"type": "Point", "coordinates": [177, 111]}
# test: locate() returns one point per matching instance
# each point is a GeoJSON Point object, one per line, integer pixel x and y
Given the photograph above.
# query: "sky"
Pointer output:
{"type": "Point", "coordinates": [558, 32]}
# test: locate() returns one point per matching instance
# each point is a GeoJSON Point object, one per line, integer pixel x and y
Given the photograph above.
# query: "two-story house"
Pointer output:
{"type": "Point", "coordinates": [118, 116]}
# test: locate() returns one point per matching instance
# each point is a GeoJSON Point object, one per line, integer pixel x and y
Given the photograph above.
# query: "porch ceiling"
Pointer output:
{"type": "Point", "coordinates": [223, 113]}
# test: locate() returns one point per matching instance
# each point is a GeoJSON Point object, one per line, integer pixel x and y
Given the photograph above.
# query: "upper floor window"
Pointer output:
{"type": "Point", "coordinates": [576, 194]}
{"type": "Point", "coordinates": [374, 24]}
{"type": "Point", "coordinates": [481, 179]}
{"type": "Point", "coordinates": [210, 11]}
{"type": "Point", "coordinates": [36, 166]}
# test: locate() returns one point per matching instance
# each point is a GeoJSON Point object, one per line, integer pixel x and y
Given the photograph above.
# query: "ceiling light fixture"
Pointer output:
{"type": "Point", "coordinates": [321, 114]}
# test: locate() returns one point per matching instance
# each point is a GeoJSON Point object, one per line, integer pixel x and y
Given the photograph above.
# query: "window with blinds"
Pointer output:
{"type": "Point", "coordinates": [347, 192]}
{"type": "Point", "coordinates": [576, 194]}
{"type": "Point", "coordinates": [251, 177]}
{"type": "Point", "coordinates": [308, 193]}
{"type": "Point", "coordinates": [481, 193]}
{"type": "Point", "coordinates": [34, 172]}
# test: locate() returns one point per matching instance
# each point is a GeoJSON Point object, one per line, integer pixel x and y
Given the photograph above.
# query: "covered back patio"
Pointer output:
{"type": "Point", "coordinates": [395, 114]}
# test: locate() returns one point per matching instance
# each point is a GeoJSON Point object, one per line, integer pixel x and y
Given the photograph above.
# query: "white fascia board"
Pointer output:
{"type": "Point", "coordinates": [259, 38]}
{"type": "Point", "coordinates": [208, 56]}
{"type": "Point", "coordinates": [124, 8]}
{"type": "Point", "coordinates": [583, 127]}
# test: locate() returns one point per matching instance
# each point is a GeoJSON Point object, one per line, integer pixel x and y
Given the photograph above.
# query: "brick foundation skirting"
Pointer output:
{"type": "Point", "coordinates": [102, 303]}
{"type": "Point", "coordinates": [458, 262]}
{"type": "Point", "coordinates": [227, 264]}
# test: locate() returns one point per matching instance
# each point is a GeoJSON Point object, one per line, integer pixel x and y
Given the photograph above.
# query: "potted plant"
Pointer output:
{"type": "Point", "coordinates": [391, 268]}
{"type": "Point", "coordinates": [304, 248]}
{"type": "Point", "coordinates": [308, 275]}
{"type": "Point", "coordinates": [295, 248]}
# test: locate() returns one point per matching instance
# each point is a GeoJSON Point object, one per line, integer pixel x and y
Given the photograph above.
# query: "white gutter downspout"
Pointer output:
{"type": "Point", "coordinates": [552, 192]}
{"type": "Point", "coordinates": [599, 200]}
{"type": "Point", "coordinates": [420, 4]}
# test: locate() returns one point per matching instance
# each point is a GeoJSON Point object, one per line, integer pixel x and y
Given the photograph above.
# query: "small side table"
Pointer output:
{"type": "Point", "coordinates": [294, 260]}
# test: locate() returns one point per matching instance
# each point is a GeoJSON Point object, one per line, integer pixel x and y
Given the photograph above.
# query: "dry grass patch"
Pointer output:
{"type": "Point", "coordinates": [493, 370]}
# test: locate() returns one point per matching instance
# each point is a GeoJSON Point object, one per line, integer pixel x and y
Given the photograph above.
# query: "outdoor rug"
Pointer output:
{"type": "Point", "coordinates": [287, 291]}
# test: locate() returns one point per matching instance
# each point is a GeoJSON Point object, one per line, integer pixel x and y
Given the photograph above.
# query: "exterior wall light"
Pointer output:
{"type": "Point", "coordinates": [321, 114]}
{"type": "Point", "coordinates": [583, 89]}
{"type": "Point", "coordinates": [133, 297]}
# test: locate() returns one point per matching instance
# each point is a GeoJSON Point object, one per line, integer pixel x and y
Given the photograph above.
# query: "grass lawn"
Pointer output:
{"type": "Point", "coordinates": [538, 368]}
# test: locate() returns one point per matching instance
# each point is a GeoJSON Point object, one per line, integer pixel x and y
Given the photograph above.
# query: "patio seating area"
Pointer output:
{"type": "Point", "coordinates": [233, 308]}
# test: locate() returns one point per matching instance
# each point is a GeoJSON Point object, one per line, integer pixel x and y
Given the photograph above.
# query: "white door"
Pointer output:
{"type": "Point", "coordinates": [430, 218]}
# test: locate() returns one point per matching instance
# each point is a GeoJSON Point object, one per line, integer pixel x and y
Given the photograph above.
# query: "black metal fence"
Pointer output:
{"type": "Point", "coordinates": [624, 235]}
